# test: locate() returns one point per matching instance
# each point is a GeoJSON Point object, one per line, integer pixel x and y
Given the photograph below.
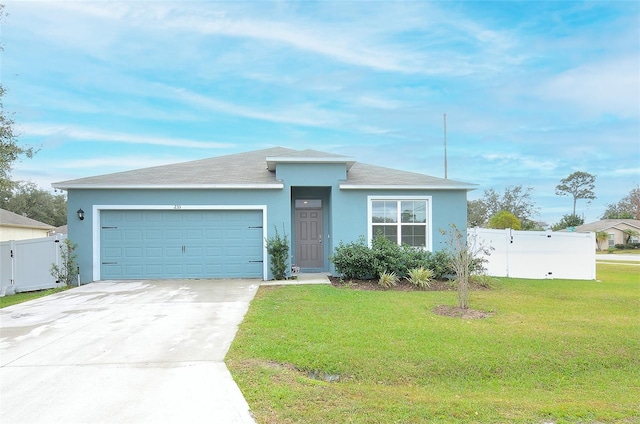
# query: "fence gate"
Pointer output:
{"type": "Point", "coordinates": [25, 264]}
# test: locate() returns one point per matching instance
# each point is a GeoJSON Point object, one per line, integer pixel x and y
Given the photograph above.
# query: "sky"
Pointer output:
{"type": "Point", "coordinates": [532, 90]}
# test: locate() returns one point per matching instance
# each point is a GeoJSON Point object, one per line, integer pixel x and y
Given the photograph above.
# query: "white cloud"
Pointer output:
{"type": "Point", "coordinates": [378, 102]}
{"type": "Point", "coordinates": [92, 135]}
{"type": "Point", "coordinates": [300, 114]}
{"type": "Point", "coordinates": [605, 87]}
{"type": "Point", "coordinates": [516, 161]}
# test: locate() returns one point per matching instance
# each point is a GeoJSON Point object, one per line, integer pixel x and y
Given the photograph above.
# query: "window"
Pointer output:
{"type": "Point", "coordinates": [612, 241]}
{"type": "Point", "coordinates": [404, 220]}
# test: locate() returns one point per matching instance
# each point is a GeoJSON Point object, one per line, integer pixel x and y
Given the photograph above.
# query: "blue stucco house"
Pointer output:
{"type": "Point", "coordinates": [209, 218]}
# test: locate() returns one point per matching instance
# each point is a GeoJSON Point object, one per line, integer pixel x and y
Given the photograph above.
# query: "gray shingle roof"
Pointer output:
{"type": "Point", "coordinates": [605, 224]}
{"type": "Point", "coordinates": [10, 219]}
{"type": "Point", "coordinates": [245, 170]}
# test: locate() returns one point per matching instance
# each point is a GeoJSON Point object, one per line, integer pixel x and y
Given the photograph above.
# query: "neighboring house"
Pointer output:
{"type": "Point", "coordinates": [59, 230]}
{"type": "Point", "coordinates": [209, 218]}
{"type": "Point", "coordinates": [615, 229]}
{"type": "Point", "coordinates": [18, 227]}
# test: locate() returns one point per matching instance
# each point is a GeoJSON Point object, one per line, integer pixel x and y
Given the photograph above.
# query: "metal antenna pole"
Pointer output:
{"type": "Point", "coordinates": [445, 145]}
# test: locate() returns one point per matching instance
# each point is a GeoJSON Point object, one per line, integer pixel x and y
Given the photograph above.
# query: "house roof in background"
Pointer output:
{"type": "Point", "coordinates": [606, 224]}
{"type": "Point", "coordinates": [10, 219]}
{"type": "Point", "coordinates": [255, 170]}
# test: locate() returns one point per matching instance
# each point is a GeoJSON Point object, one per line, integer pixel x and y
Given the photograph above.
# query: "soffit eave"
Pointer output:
{"type": "Point", "coordinates": [466, 187]}
{"type": "Point", "coordinates": [79, 186]}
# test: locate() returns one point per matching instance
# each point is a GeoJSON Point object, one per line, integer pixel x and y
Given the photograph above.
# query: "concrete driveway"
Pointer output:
{"type": "Point", "coordinates": [124, 352]}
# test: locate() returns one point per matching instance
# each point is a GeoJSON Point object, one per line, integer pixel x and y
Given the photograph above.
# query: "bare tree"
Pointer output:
{"type": "Point", "coordinates": [627, 208]}
{"type": "Point", "coordinates": [465, 256]}
{"type": "Point", "coordinates": [514, 199]}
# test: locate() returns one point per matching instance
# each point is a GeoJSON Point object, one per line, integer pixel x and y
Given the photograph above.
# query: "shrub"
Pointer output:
{"type": "Point", "coordinates": [278, 249]}
{"type": "Point", "coordinates": [387, 256]}
{"type": "Point", "coordinates": [628, 246]}
{"type": "Point", "coordinates": [420, 277]}
{"type": "Point", "coordinates": [354, 260]}
{"type": "Point", "coordinates": [482, 280]}
{"type": "Point", "coordinates": [440, 263]}
{"type": "Point", "coordinates": [68, 269]}
{"type": "Point", "coordinates": [388, 279]}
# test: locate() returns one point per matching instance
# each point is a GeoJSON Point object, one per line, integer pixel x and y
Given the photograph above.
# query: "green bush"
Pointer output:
{"type": "Point", "coordinates": [67, 272]}
{"type": "Point", "coordinates": [278, 249]}
{"type": "Point", "coordinates": [440, 263]}
{"type": "Point", "coordinates": [356, 260]}
{"type": "Point", "coordinates": [628, 246]}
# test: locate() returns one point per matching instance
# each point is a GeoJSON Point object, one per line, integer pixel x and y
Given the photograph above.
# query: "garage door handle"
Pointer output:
{"type": "Point", "coordinates": [109, 263]}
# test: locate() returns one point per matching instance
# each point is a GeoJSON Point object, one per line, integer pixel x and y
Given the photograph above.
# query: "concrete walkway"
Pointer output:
{"type": "Point", "coordinates": [301, 278]}
{"type": "Point", "coordinates": [604, 257]}
{"type": "Point", "coordinates": [124, 352]}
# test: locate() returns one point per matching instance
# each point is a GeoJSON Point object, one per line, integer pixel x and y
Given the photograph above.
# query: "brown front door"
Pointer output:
{"type": "Point", "coordinates": [309, 252]}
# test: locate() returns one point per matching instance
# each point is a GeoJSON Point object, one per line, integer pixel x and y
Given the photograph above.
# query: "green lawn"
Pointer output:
{"type": "Point", "coordinates": [23, 297]}
{"type": "Point", "coordinates": [555, 351]}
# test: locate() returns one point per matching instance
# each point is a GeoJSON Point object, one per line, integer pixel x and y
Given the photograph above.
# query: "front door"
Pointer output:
{"type": "Point", "coordinates": [309, 252]}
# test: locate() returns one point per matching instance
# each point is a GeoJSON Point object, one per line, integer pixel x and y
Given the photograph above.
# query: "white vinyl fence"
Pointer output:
{"type": "Point", "coordinates": [538, 254]}
{"type": "Point", "coordinates": [25, 264]}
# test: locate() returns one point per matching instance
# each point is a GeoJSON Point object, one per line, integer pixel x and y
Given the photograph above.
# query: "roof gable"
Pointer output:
{"type": "Point", "coordinates": [606, 224]}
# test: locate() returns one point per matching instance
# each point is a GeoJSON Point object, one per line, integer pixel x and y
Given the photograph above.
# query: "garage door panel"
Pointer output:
{"type": "Point", "coordinates": [172, 234]}
{"type": "Point", "coordinates": [153, 252]}
{"type": "Point", "coordinates": [133, 252]}
{"type": "Point", "coordinates": [194, 235]}
{"type": "Point", "coordinates": [112, 253]}
{"type": "Point", "coordinates": [181, 244]}
{"type": "Point", "coordinates": [173, 251]}
{"type": "Point", "coordinates": [154, 234]}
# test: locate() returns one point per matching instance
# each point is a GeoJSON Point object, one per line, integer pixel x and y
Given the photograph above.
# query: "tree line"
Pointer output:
{"type": "Point", "coordinates": [514, 208]}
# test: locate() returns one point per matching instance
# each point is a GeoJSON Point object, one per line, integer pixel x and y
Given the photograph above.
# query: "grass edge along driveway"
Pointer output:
{"type": "Point", "coordinates": [556, 351]}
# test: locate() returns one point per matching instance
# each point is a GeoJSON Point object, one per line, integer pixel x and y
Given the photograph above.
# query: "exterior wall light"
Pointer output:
{"type": "Point", "coordinates": [80, 214]}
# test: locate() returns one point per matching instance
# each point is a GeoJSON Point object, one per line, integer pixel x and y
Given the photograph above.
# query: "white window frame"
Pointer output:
{"type": "Point", "coordinates": [390, 198]}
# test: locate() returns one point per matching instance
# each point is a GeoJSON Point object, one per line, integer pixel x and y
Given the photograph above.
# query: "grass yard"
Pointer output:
{"type": "Point", "coordinates": [14, 299]}
{"type": "Point", "coordinates": [555, 351]}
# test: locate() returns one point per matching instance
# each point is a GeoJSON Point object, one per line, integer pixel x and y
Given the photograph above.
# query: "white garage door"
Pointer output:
{"type": "Point", "coordinates": [181, 244]}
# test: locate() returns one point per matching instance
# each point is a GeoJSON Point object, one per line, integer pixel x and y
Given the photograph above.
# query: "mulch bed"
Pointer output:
{"type": "Point", "coordinates": [403, 285]}
{"type": "Point", "coordinates": [456, 312]}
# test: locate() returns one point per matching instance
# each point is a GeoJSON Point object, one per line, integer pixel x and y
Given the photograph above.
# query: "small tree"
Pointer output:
{"type": "Point", "coordinates": [68, 269]}
{"type": "Point", "coordinates": [568, 221]}
{"type": "Point", "coordinates": [505, 219]}
{"type": "Point", "coordinates": [465, 258]}
{"type": "Point", "coordinates": [579, 185]}
{"type": "Point", "coordinates": [278, 249]}
{"type": "Point", "coordinates": [630, 233]}
{"type": "Point", "coordinates": [601, 237]}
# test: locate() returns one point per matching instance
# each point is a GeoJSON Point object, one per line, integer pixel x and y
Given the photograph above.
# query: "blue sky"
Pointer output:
{"type": "Point", "coordinates": [533, 91]}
